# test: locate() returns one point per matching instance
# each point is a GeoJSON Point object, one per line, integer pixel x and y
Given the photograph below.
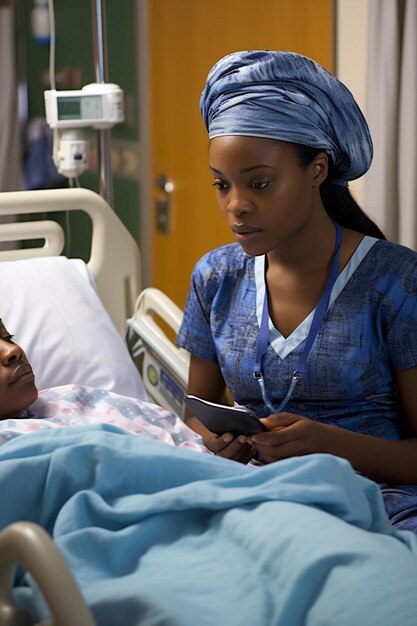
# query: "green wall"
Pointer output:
{"type": "Point", "coordinates": [74, 49]}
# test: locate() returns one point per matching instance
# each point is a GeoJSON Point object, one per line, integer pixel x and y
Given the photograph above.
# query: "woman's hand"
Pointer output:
{"type": "Point", "coordinates": [290, 435]}
{"type": "Point", "coordinates": [229, 447]}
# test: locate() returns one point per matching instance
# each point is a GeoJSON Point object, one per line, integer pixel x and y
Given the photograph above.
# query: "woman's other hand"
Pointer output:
{"type": "Point", "coordinates": [206, 381]}
{"type": "Point", "coordinates": [290, 435]}
{"type": "Point", "coordinates": [229, 447]}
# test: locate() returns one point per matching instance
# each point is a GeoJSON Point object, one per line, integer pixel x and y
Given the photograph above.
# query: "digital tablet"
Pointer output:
{"type": "Point", "coordinates": [221, 419]}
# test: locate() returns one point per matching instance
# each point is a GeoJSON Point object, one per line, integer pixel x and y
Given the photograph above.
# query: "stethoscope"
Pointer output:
{"type": "Point", "coordinates": [318, 317]}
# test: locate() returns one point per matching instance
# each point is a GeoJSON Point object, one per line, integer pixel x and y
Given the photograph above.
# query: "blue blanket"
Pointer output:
{"type": "Point", "coordinates": [156, 535]}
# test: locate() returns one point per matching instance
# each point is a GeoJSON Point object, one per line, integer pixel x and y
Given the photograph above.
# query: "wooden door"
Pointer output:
{"type": "Point", "coordinates": [186, 37]}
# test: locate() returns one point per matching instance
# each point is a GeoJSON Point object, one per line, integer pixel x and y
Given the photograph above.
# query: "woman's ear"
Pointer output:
{"type": "Point", "coordinates": [320, 169]}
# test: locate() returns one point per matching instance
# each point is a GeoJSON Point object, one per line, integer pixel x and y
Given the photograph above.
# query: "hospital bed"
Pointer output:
{"type": "Point", "coordinates": [144, 533]}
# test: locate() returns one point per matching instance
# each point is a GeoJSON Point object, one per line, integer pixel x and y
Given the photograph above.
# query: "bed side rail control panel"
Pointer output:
{"type": "Point", "coordinates": [162, 364]}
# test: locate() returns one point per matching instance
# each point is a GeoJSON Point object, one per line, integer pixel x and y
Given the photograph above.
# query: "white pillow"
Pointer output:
{"type": "Point", "coordinates": [51, 306]}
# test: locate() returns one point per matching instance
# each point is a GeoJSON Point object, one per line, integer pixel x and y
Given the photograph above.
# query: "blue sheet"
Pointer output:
{"type": "Point", "coordinates": [156, 535]}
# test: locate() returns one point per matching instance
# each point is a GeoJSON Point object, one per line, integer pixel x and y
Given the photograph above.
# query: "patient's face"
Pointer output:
{"type": "Point", "coordinates": [17, 381]}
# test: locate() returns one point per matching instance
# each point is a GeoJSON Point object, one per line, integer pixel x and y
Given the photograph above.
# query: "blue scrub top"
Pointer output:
{"type": "Point", "coordinates": [368, 334]}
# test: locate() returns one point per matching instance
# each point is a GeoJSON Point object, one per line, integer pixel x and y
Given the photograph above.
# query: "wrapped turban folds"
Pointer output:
{"type": "Point", "coordinates": [289, 97]}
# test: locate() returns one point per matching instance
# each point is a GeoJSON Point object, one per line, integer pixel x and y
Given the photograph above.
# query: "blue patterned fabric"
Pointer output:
{"type": "Point", "coordinates": [367, 335]}
{"type": "Point", "coordinates": [401, 505]}
{"type": "Point", "coordinates": [287, 96]}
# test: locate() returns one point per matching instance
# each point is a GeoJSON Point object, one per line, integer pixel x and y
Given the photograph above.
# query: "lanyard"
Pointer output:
{"type": "Point", "coordinates": [318, 317]}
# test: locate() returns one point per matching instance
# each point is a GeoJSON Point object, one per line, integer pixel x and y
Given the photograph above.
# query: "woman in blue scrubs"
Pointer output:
{"type": "Point", "coordinates": [310, 318]}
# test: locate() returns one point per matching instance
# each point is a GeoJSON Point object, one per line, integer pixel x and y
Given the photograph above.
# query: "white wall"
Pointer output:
{"type": "Point", "coordinates": [351, 60]}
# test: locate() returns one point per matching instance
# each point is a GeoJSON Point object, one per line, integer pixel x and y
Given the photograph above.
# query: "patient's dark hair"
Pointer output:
{"type": "Point", "coordinates": [337, 200]}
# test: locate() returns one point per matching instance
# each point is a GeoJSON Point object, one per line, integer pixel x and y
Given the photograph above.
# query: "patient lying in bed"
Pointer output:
{"type": "Point", "coordinates": [24, 410]}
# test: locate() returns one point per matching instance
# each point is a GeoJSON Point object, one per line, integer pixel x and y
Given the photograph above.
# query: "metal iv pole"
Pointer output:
{"type": "Point", "coordinates": [98, 9]}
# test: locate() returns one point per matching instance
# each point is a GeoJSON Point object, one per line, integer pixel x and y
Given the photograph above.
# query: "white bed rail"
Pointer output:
{"type": "Point", "coordinates": [50, 231]}
{"type": "Point", "coordinates": [29, 545]}
{"type": "Point", "coordinates": [165, 365]}
{"type": "Point", "coordinates": [114, 260]}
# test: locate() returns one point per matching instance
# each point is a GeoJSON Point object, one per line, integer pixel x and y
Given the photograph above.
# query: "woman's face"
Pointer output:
{"type": "Point", "coordinates": [17, 381]}
{"type": "Point", "coordinates": [265, 195]}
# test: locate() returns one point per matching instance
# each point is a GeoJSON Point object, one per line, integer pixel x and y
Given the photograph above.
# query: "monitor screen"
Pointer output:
{"type": "Point", "coordinates": [80, 108]}
{"type": "Point", "coordinates": [69, 108]}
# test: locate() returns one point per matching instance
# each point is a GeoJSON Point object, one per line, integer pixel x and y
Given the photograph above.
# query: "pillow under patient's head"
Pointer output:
{"type": "Point", "coordinates": [51, 306]}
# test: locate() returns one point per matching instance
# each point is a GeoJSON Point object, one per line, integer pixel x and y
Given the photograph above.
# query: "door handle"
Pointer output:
{"type": "Point", "coordinates": [163, 204]}
{"type": "Point", "coordinates": [164, 184]}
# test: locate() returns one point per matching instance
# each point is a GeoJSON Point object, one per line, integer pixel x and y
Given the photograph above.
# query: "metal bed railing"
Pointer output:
{"type": "Point", "coordinates": [30, 546]}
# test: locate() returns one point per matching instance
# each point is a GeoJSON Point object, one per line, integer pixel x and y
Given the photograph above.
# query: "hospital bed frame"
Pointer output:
{"type": "Point", "coordinates": [115, 265]}
{"type": "Point", "coordinates": [163, 365]}
{"type": "Point", "coordinates": [115, 257]}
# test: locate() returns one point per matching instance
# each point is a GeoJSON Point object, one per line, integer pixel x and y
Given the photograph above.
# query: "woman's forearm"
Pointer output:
{"type": "Point", "coordinates": [393, 462]}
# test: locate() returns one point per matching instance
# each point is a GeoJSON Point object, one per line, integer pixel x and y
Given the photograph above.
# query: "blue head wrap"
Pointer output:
{"type": "Point", "coordinates": [287, 96]}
